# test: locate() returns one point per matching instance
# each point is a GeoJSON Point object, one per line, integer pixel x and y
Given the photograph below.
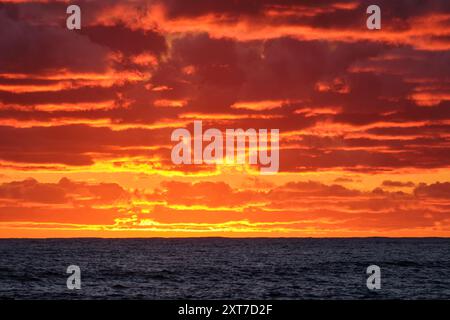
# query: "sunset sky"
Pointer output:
{"type": "Point", "coordinates": [86, 118]}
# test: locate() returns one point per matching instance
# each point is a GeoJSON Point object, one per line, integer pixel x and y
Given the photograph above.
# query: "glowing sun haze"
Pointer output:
{"type": "Point", "coordinates": [86, 118]}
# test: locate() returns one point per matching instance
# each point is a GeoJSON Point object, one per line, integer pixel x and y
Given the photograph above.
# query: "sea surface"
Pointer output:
{"type": "Point", "coordinates": [216, 268]}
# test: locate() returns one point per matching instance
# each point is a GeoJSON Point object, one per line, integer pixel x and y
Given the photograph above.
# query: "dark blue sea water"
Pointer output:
{"type": "Point", "coordinates": [225, 268]}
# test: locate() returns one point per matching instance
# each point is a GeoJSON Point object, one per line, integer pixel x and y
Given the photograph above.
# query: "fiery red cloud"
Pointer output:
{"type": "Point", "coordinates": [86, 118]}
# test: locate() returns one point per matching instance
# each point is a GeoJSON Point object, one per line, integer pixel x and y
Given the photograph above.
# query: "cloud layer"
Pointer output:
{"type": "Point", "coordinates": [86, 117]}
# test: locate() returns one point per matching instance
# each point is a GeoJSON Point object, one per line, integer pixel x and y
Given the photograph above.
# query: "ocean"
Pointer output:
{"type": "Point", "coordinates": [217, 268]}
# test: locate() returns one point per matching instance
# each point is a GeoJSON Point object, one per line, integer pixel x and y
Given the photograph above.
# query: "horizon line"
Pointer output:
{"type": "Point", "coordinates": [226, 238]}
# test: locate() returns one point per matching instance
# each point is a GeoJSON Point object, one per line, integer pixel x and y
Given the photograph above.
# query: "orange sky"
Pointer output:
{"type": "Point", "coordinates": [86, 118]}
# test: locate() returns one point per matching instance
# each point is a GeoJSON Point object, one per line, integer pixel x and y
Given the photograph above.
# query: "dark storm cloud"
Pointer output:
{"type": "Point", "coordinates": [36, 49]}
{"type": "Point", "coordinates": [125, 40]}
